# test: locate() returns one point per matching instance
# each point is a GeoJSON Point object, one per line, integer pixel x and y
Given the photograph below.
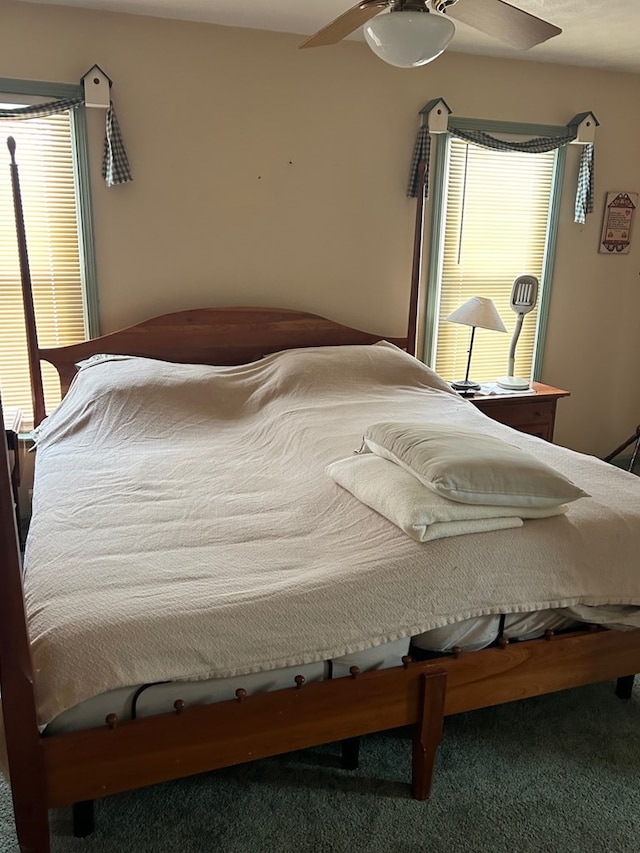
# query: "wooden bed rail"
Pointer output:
{"type": "Point", "coordinates": [121, 756]}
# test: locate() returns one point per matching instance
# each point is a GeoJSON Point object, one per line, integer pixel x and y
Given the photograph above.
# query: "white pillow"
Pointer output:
{"type": "Point", "coordinates": [470, 467]}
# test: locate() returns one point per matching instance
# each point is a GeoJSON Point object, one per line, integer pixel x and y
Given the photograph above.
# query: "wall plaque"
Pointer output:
{"type": "Point", "coordinates": [619, 209]}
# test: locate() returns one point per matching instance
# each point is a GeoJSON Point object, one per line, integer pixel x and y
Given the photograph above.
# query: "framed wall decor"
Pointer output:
{"type": "Point", "coordinates": [617, 222]}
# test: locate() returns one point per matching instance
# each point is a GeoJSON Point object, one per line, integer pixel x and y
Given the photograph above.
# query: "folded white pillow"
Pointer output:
{"type": "Point", "coordinates": [470, 467]}
{"type": "Point", "coordinates": [421, 512]}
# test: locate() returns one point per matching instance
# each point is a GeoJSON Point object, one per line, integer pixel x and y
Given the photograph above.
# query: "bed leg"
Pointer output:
{"type": "Point", "coordinates": [428, 732]}
{"type": "Point", "coordinates": [624, 686]}
{"type": "Point", "coordinates": [32, 827]}
{"type": "Point", "coordinates": [350, 753]}
{"type": "Point", "coordinates": [83, 819]}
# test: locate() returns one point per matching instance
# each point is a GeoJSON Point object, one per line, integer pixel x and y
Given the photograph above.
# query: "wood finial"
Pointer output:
{"type": "Point", "coordinates": [354, 671]}
{"type": "Point", "coordinates": [456, 651]}
{"type": "Point", "coordinates": [406, 660]}
{"type": "Point", "coordinates": [549, 634]}
{"type": "Point", "coordinates": [299, 680]}
{"type": "Point", "coordinates": [503, 642]}
{"type": "Point", "coordinates": [111, 720]}
{"type": "Point", "coordinates": [179, 706]}
{"type": "Point", "coordinates": [241, 694]}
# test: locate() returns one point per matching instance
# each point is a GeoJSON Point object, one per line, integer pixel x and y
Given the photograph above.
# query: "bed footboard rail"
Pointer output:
{"type": "Point", "coordinates": [121, 756]}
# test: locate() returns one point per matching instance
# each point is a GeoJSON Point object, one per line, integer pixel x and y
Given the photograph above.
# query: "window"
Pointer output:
{"type": "Point", "coordinates": [51, 158]}
{"type": "Point", "coordinates": [494, 218]}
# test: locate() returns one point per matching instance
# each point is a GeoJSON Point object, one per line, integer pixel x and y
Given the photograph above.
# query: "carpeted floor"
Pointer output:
{"type": "Point", "coordinates": [556, 774]}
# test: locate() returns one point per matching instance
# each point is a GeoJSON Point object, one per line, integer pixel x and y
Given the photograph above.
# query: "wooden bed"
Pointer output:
{"type": "Point", "coordinates": [76, 768]}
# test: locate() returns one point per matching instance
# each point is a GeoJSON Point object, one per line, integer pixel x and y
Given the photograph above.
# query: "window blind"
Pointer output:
{"type": "Point", "coordinates": [45, 157]}
{"type": "Point", "coordinates": [496, 221]}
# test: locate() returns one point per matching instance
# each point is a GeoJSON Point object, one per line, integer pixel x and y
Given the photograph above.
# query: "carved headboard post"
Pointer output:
{"type": "Point", "coordinates": [416, 264]}
{"type": "Point", "coordinates": [37, 391]}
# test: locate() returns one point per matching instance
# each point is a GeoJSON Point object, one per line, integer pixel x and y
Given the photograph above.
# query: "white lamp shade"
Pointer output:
{"type": "Point", "coordinates": [480, 312]}
{"type": "Point", "coordinates": [408, 39]}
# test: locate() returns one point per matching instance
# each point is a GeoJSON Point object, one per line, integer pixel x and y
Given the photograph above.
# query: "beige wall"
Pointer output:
{"type": "Point", "coordinates": [267, 175]}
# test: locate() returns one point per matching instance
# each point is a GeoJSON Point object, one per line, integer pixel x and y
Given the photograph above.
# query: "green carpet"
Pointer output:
{"type": "Point", "coordinates": [555, 774]}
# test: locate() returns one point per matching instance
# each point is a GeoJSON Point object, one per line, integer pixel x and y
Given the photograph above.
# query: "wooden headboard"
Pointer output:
{"type": "Point", "coordinates": [208, 336]}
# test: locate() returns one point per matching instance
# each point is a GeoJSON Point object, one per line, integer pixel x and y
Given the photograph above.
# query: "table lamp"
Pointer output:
{"type": "Point", "coordinates": [479, 311]}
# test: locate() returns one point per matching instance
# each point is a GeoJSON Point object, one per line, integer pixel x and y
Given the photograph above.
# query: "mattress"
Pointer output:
{"type": "Point", "coordinates": [146, 700]}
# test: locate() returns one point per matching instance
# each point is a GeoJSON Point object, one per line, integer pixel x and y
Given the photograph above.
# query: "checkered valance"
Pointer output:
{"type": "Point", "coordinates": [538, 145]}
{"type": "Point", "coordinates": [115, 165]}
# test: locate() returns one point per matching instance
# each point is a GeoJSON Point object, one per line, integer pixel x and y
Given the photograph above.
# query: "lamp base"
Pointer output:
{"type": "Point", "coordinates": [465, 385]}
{"type": "Point", "coordinates": [513, 383]}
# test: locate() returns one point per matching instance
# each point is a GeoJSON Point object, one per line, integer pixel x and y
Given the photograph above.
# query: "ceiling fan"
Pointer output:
{"type": "Point", "coordinates": [413, 32]}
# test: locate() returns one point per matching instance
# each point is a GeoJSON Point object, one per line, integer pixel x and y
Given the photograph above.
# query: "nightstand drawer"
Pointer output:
{"type": "Point", "coordinates": [522, 414]}
{"type": "Point", "coordinates": [543, 430]}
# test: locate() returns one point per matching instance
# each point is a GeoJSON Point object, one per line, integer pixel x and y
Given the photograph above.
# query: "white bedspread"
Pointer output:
{"type": "Point", "coordinates": [184, 527]}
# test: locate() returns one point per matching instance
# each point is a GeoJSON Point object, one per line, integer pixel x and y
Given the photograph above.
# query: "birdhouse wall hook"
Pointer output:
{"type": "Point", "coordinates": [435, 114]}
{"type": "Point", "coordinates": [584, 125]}
{"type": "Point", "coordinates": [96, 85]}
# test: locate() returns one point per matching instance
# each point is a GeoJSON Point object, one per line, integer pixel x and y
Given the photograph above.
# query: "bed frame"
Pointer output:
{"type": "Point", "coordinates": [74, 769]}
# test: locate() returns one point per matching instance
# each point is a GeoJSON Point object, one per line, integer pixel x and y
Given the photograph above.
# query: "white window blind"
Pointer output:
{"type": "Point", "coordinates": [44, 154]}
{"type": "Point", "coordinates": [497, 206]}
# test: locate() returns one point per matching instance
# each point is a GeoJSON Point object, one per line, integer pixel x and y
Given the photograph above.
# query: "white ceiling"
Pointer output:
{"type": "Point", "coordinates": [601, 33]}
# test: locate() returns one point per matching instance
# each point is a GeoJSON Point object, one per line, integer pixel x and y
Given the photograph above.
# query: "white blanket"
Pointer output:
{"type": "Point", "coordinates": [420, 512]}
{"type": "Point", "coordinates": [184, 527]}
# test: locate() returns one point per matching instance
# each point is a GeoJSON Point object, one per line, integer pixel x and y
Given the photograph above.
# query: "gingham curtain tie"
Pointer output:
{"type": "Point", "coordinates": [115, 164]}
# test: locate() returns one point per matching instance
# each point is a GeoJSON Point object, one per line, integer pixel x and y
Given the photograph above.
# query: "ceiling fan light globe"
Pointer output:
{"type": "Point", "coordinates": [409, 39]}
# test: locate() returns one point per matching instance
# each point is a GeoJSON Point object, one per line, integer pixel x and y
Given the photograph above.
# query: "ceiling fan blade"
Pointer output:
{"type": "Point", "coordinates": [347, 23]}
{"type": "Point", "coordinates": [503, 21]}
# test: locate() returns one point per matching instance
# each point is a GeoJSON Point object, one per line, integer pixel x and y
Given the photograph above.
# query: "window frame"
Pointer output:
{"type": "Point", "coordinates": [82, 181]}
{"type": "Point", "coordinates": [439, 183]}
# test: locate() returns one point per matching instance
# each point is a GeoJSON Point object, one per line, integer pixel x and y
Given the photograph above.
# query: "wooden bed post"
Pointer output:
{"type": "Point", "coordinates": [24, 751]}
{"type": "Point", "coordinates": [37, 391]}
{"type": "Point", "coordinates": [416, 264]}
{"type": "Point", "coordinates": [427, 733]}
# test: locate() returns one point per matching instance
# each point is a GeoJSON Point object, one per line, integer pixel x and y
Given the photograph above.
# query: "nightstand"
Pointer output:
{"type": "Point", "coordinates": [531, 413]}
